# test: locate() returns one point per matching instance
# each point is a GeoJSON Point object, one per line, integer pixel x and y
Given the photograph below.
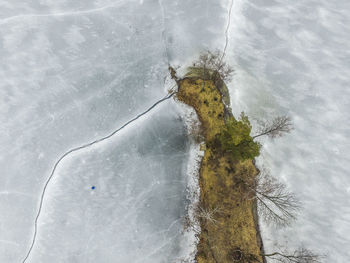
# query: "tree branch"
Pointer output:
{"type": "Point", "coordinates": [275, 128]}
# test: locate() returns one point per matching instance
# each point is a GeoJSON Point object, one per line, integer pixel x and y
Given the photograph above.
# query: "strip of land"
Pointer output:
{"type": "Point", "coordinates": [228, 221]}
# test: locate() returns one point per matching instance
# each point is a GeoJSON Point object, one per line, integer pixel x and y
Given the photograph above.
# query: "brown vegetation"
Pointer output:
{"type": "Point", "coordinates": [227, 221]}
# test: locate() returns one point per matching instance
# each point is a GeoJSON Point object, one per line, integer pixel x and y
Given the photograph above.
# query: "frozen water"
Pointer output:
{"type": "Point", "coordinates": [67, 80]}
{"type": "Point", "coordinates": [292, 57]}
{"type": "Point", "coordinates": [72, 72]}
{"type": "Point", "coordinates": [136, 209]}
{"type": "Point", "coordinates": [193, 26]}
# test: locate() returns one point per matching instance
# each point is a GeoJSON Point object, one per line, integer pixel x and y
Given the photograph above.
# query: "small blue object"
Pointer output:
{"type": "Point", "coordinates": [93, 187]}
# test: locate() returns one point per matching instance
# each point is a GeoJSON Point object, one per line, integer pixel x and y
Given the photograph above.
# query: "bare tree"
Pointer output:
{"type": "Point", "coordinates": [275, 202]}
{"type": "Point", "coordinates": [301, 255]}
{"type": "Point", "coordinates": [213, 66]}
{"type": "Point", "coordinates": [275, 128]}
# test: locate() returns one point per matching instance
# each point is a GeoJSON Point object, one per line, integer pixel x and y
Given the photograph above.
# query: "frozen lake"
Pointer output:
{"type": "Point", "coordinates": [74, 71]}
{"type": "Point", "coordinates": [292, 57]}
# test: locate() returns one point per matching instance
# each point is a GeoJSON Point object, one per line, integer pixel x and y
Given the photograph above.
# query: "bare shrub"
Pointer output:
{"type": "Point", "coordinates": [301, 255]}
{"type": "Point", "coordinates": [213, 66]}
{"type": "Point", "coordinates": [195, 131]}
{"type": "Point", "coordinates": [172, 90]}
{"type": "Point", "coordinates": [208, 214]}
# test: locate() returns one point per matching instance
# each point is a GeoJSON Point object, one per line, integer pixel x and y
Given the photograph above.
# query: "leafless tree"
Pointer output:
{"type": "Point", "coordinates": [201, 214]}
{"type": "Point", "coordinates": [301, 255]}
{"type": "Point", "coordinates": [275, 203]}
{"type": "Point", "coordinates": [213, 66]}
{"type": "Point", "coordinates": [275, 128]}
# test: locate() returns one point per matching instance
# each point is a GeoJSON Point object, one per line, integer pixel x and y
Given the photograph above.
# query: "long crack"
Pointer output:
{"type": "Point", "coordinates": [71, 13]}
{"type": "Point", "coordinates": [226, 31]}
{"type": "Point", "coordinates": [164, 32]}
{"type": "Point", "coordinates": [78, 149]}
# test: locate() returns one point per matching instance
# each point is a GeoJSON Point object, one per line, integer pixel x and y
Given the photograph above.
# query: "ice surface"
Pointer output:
{"type": "Point", "coordinates": [67, 80]}
{"type": "Point", "coordinates": [136, 209]}
{"type": "Point", "coordinates": [72, 72]}
{"type": "Point", "coordinates": [292, 57]}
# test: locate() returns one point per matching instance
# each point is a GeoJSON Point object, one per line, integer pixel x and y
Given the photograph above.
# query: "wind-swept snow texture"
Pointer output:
{"type": "Point", "coordinates": [292, 57]}
{"type": "Point", "coordinates": [71, 73]}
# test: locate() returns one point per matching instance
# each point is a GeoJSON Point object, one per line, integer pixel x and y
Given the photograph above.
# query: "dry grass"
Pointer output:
{"type": "Point", "coordinates": [227, 220]}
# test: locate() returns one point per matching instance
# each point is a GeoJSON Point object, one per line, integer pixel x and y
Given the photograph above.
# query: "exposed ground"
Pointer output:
{"type": "Point", "coordinates": [228, 223]}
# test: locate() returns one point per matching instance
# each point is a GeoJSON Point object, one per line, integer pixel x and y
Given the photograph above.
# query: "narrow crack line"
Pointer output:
{"type": "Point", "coordinates": [164, 32]}
{"type": "Point", "coordinates": [88, 11]}
{"type": "Point", "coordinates": [226, 31]}
{"type": "Point", "coordinates": [75, 150]}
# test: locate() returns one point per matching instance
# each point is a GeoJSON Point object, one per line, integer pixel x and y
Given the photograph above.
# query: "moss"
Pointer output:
{"type": "Point", "coordinates": [234, 226]}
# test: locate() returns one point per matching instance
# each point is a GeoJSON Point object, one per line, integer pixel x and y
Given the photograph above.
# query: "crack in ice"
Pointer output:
{"type": "Point", "coordinates": [12, 18]}
{"type": "Point", "coordinates": [164, 32]}
{"type": "Point", "coordinates": [78, 149]}
{"type": "Point", "coordinates": [226, 31]}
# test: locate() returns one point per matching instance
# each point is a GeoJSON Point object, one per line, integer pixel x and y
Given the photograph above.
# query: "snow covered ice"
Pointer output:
{"type": "Point", "coordinates": [135, 211]}
{"type": "Point", "coordinates": [292, 58]}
